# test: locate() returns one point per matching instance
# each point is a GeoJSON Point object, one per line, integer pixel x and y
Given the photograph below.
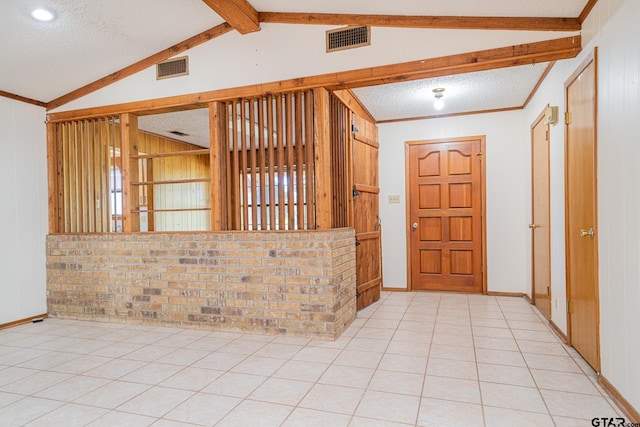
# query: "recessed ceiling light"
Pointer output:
{"type": "Point", "coordinates": [43, 14]}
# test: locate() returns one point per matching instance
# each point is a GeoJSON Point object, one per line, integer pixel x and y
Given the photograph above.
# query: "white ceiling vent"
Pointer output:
{"type": "Point", "coordinates": [172, 68]}
{"type": "Point", "coordinates": [348, 38]}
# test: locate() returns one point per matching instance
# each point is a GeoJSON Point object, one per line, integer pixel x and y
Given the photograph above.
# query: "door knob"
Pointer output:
{"type": "Point", "coordinates": [414, 225]}
{"type": "Point", "coordinates": [590, 232]}
{"type": "Point", "coordinates": [533, 226]}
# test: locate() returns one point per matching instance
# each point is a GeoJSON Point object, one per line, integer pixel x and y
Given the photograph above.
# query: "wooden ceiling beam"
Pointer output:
{"type": "Point", "coordinates": [441, 22]}
{"type": "Point", "coordinates": [238, 13]}
{"type": "Point", "coordinates": [22, 99]}
{"type": "Point", "coordinates": [525, 54]}
{"type": "Point", "coordinates": [586, 11]}
{"type": "Point", "coordinates": [141, 65]}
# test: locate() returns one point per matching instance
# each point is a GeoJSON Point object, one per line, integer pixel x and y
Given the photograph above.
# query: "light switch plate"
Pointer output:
{"type": "Point", "coordinates": [394, 199]}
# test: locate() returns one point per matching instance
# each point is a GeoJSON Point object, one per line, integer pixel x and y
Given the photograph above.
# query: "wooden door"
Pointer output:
{"type": "Point", "coordinates": [366, 220]}
{"type": "Point", "coordinates": [540, 230]}
{"type": "Point", "coordinates": [581, 230]}
{"type": "Point", "coordinates": [445, 197]}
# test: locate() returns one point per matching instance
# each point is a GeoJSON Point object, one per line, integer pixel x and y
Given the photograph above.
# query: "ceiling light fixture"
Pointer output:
{"type": "Point", "coordinates": [438, 93]}
{"type": "Point", "coordinates": [43, 14]}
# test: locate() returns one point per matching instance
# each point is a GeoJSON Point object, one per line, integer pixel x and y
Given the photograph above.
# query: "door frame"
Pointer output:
{"type": "Point", "coordinates": [592, 57]}
{"type": "Point", "coordinates": [483, 216]}
{"type": "Point", "coordinates": [535, 123]}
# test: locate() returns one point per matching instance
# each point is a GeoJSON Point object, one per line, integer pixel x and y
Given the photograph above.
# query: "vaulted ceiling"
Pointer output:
{"type": "Point", "coordinates": [93, 43]}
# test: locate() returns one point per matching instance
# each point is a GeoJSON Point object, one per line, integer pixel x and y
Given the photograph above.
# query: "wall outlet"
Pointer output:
{"type": "Point", "coordinates": [394, 199]}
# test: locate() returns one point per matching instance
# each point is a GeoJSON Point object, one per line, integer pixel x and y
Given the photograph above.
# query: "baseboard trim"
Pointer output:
{"type": "Point", "coordinates": [528, 299]}
{"type": "Point", "coordinates": [633, 416]}
{"type": "Point", "coordinates": [558, 332]}
{"type": "Point", "coordinates": [506, 294]}
{"type": "Point", "coordinates": [395, 289]}
{"type": "Point", "coordinates": [22, 321]}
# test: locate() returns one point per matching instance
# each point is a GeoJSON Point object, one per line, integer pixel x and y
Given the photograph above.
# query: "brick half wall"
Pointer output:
{"type": "Point", "coordinates": [289, 283]}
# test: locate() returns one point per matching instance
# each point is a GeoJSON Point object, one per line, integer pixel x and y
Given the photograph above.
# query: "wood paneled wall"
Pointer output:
{"type": "Point", "coordinates": [174, 189]}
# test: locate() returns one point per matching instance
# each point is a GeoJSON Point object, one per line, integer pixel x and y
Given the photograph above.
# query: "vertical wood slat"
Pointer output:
{"type": "Point", "coordinates": [280, 154]}
{"type": "Point", "coordinates": [289, 155]}
{"type": "Point", "coordinates": [129, 172]}
{"type": "Point", "coordinates": [271, 163]}
{"type": "Point", "coordinates": [339, 162]}
{"type": "Point", "coordinates": [335, 162]}
{"type": "Point", "coordinates": [52, 178]}
{"type": "Point", "coordinates": [104, 162]}
{"type": "Point", "coordinates": [90, 199]}
{"type": "Point", "coordinates": [262, 152]}
{"type": "Point", "coordinates": [73, 177]}
{"type": "Point", "coordinates": [217, 163]}
{"type": "Point", "coordinates": [242, 173]}
{"type": "Point", "coordinates": [310, 163]}
{"type": "Point", "coordinates": [300, 172]}
{"type": "Point", "coordinates": [97, 175]}
{"type": "Point", "coordinates": [67, 176]}
{"type": "Point", "coordinates": [227, 147]}
{"type": "Point", "coordinates": [113, 217]}
{"type": "Point", "coordinates": [322, 149]}
{"type": "Point", "coordinates": [237, 224]}
{"type": "Point", "coordinates": [253, 164]}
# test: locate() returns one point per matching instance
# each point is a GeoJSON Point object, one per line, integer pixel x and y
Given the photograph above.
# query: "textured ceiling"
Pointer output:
{"type": "Point", "coordinates": [538, 8]}
{"type": "Point", "coordinates": [486, 90]}
{"type": "Point", "coordinates": [93, 38]}
{"type": "Point", "coordinates": [195, 123]}
{"type": "Point", "coordinates": [89, 40]}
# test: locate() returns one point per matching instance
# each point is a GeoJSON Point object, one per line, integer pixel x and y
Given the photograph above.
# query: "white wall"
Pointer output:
{"type": "Point", "coordinates": [279, 52]}
{"type": "Point", "coordinates": [23, 185]}
{"type": "Point", "coordinates": [507, 153]}
{"type": "Point", "coordinates": [619, 192]}
{"type": "Point", "coordinates": [612, 27]}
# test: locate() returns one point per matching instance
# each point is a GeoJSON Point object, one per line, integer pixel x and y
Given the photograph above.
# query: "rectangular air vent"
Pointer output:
{"type": "Point", "coordinates": [348, 38]}
{"type": "Point", "coordinates": [172, 68]}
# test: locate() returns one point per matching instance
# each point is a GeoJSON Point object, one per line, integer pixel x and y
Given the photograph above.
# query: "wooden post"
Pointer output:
{"type": "Point", "coordinates": [321, 142]}
{"type": "Point", "coordinates": [52, 176]}
{"type": "Point", "coordinates": [130, 199]}
{"type": "Point", "coordinates": [217, 140]}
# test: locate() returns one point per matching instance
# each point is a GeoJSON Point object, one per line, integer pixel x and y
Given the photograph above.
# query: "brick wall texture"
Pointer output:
{"type": "Point", "coordinates": [289, 283]}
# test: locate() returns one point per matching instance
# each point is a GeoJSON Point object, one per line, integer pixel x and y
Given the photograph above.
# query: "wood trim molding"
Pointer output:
{"type": "Point", "coordinates": [441, 22]}
{"type": "Point", "coordinates": [442, 116]}
{"type": "Point", "coordinates": [507, 294]}
{"type": "Point", "coordinates": [558, 331]}
{"type": "Point", "coordinates": [632, 414]}
{"type": "Point", "coordinates": [394, 289]}
{"type": "Point", "coordinates": [22, 99]}
{"type": "Point", "coordinates": [22, 321]}
{"type": "Point", "coordinates": [174, 50]}
{"type": "Point", "coordinates": [238, 13]}
{"type": "Point", "coordinates": [586, 11]}
{"type": "Point", "coordinates": [545, 51]}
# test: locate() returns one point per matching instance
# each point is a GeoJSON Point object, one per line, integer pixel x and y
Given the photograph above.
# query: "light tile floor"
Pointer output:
{"type": "Point", "coordinates": [412, 359]}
